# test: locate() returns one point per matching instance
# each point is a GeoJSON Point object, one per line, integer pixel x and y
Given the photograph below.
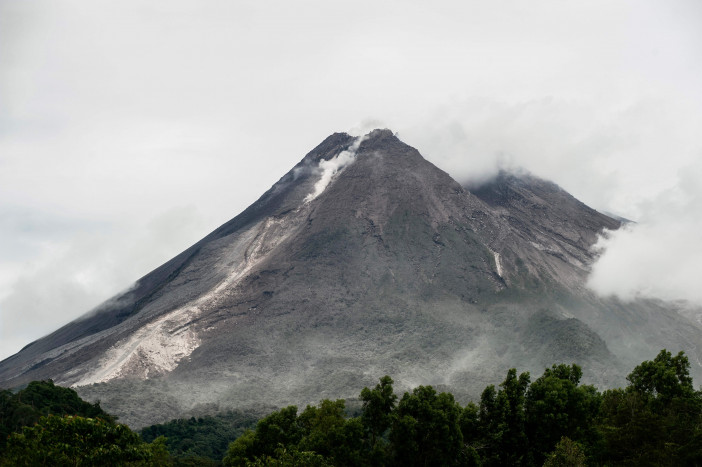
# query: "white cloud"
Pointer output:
{"type": "Point", "coordinates": [659, 257]}
{"type": "Point", "coordinates": [66, 276]}
{"type": "Point", "coordinates": [612, 155]}
{"type": "Point", "coordinates": [114, 112]}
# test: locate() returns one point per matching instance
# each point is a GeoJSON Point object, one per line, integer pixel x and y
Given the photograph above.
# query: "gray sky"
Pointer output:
{"type": "Point", "coordinates": [130, 129]}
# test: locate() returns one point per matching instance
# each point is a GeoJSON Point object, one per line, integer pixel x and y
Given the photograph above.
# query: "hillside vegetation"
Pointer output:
{"type": "Point", "coordinates": [553, 420]}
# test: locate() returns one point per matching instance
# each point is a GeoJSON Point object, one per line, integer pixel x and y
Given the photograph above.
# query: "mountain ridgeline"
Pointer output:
{"type": "Point", "coordinates": [364, 259]}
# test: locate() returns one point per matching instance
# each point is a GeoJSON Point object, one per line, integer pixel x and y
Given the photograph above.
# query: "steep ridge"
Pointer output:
{"type": "Point", "coordinates": [179, 281]}
{"type": "Point", "coordinates": [541, 217]}
{"type": "Point", "coordinates": [363, 260]}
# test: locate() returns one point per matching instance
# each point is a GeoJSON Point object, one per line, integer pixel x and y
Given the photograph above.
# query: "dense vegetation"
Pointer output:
{"type": "Point", "coordinates": [553, 421]}
{"type": "Point", "coordinates": [74, 440]}
{"type": "Point", "coordinates": [196, 440]}
{"type": "Point", "coordinates": [45, 424]}
{"type": "Point", "coordinates": [41, 398]}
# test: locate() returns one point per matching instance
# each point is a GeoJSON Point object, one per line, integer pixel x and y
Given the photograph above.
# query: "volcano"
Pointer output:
{"type": "Point", "coordinates": [363, 260]}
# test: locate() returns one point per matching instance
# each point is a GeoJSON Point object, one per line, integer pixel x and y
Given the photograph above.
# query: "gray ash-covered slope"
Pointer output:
{"type": "Point", "coordinates": [179, 281]}
{"type": "Point", "coordinates": [392, 268]}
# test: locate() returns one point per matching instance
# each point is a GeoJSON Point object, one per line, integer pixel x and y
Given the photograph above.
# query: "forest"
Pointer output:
{"type": "Point", "coordinates": [554, 420]}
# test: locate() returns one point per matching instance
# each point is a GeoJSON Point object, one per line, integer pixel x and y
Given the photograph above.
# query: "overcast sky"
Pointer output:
{"type": "Point", "coordinates": [130, 129]}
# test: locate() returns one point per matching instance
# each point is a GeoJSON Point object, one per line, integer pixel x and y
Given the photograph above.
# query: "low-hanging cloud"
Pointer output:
{"type": "Point", "coordinates": [636, 159]}
{"type": "Point", "coordinates": [660, 256]}
{"type": "Point", "coordinates": [613, 156]}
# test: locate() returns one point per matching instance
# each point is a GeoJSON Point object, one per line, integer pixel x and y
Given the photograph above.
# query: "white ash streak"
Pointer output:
{"type": "Point", "coordinates": [498, 265]}
{"type": "Point", "coordinates": [329, 168]}
{"type": "Point", "coordinates": [159, 346]}
{"type": "Point", "coordinates": [152, 350]}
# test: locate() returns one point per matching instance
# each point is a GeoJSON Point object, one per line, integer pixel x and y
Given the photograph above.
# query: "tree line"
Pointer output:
{"type": "Point", "coordinates": [553, 420]}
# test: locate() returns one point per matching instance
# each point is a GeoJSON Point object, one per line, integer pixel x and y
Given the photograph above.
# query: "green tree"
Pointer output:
{"type": "Point", "coordinates": [489, 432]}
{"type": "Point", "coordinates": [663, 379]}
{"type": "Point", "coordinates": [557, 406]}
{"type": "Point", "coordinates": [378, 405]}
{"type": "Point", "coordinates": [328, 433]}
{"type": "Point", "coordinates": [281, 428]}
{"type": "Point", "coordinates": [631, 431]}
{"type": "Point", "coordinates": [568, 453]}
{"type": "Point", "coordinates": [376, 417]}
{"type": "Point", "coordinates": [8, 415]}
{"type": "Point", "coordinates": [77, 441]}
{"type": "Point", "coordinates": [469, 423]}
{"type": "Point", "coordinates": [426, 429]}
{"type": "Point", "coordinates": [159, 455]}
{"type": "Point", "coordinates": [657, 419]}
{"type": "Point", "coordinates": [240, 449]}
{"type": "Point", "coordinates": [47, 398]}
{"type": "Point", "coordinates": [290, 457]}
{"type": "Point", "coordinates": [197, 439]}
{"type": "Point", "coordinates": [501, 438]}
{"type": "Point", "coordinates": [41, 398]}
{"type": "Point", "coordinates": [511, 399]}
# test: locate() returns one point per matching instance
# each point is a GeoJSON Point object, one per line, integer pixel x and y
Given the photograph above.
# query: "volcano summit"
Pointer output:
{"type": "Point", "coordinates": [363, 260]}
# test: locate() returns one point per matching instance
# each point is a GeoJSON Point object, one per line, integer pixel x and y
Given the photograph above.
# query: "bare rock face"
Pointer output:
{"type": "Point", "coordinates": [363, 260]}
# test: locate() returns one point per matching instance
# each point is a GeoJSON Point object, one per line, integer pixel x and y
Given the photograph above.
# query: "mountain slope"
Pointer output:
{"type": "Point", "coordinates": [363, 260]}
{"type": "Point", "coordinates": [190, 273]}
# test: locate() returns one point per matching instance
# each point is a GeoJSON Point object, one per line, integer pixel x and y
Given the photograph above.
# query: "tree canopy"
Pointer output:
{"type": "Point", "coordinates": [41, 398]}
{"type": "Point", "coordinates": [77, 441]}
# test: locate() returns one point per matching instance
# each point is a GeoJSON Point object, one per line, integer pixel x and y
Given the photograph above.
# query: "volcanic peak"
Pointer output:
{"type": "Point", "coordinates": [394, 268]}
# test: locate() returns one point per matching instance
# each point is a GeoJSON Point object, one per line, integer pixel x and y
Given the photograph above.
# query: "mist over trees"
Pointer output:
{"type": "Point", "coordinates": [553, 420]}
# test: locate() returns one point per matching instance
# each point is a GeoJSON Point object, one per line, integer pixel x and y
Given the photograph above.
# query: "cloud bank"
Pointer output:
{"type": "Point", "coordinates": [114, 114]}
{"type": "Point", "coordinates": [639, 160]}
{"type": "Point", "coordinates": [659, 257]}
